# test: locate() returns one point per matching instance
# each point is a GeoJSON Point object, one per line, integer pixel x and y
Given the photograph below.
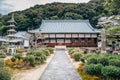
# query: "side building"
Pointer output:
{"type": "Point", "coordinates": [71, 33]}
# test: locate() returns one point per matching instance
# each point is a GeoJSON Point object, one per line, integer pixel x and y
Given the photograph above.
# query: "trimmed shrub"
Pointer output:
{"type": "Point", "coordinates": [13, 59]}
{"type": "Point", "coordinates": [111, 72]}
{"type": "Point", "coordinates": [31, 60]}
{"type": "Point", "coordinates": [77, 56]}
{"type": "Point", "coordinates": [4, 74]}
{"type": "Point", "coordinates": [103, 60]}
{"type": "Point", "coordinates": [46, 52]}
{"type": "Point", "coordinates": [2, 63]}
{"type": "Point", "coordinates": [50, 50]}
{"type": "Point", "coordinates": [2, 55]}
{"type": "Point", "coordinates": [92, 60]}
{"type": "Point", "coordinates": [114, 62]}
{"type": "Point", "coordinates": [18, 56]}
{"type": "Point", "coordinates": [41, 55]}
{"type": "Point", "coordinates": [84, 75]}
{"type": "Point", "coordinates": [31, 52]}
{"type": "Point", "coordinates": [82, 59]}
{"type": "Point", "coordinates": [71, 51]}
{"type": "Point", "coordinates": [93, 69]}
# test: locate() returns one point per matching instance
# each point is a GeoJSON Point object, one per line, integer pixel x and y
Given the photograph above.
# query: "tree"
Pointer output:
{"type": "Point", "coordinates": [0, 15]}
{"type": "Point", "coordinates": [112, 5]}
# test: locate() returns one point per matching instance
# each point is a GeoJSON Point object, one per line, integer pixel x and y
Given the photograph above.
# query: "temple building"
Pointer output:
{"type": "Point", "coordinates": [70, 33]}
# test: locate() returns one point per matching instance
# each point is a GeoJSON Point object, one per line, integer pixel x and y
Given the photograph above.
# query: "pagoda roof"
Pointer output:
{"type": "Point", "coordinates": [11, 30]}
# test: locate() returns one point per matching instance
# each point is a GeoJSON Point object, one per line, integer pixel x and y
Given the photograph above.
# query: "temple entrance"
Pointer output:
{"type": "Point", "coordinates": [60, 47]}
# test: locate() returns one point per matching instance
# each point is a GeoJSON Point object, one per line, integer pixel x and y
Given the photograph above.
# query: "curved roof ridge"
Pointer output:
{"type": "Point", "coordinates": [88, 23]}
{"type": "Point", "coordinates": [66, 20]}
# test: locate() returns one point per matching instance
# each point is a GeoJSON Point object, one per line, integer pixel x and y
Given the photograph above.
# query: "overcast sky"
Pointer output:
{"type": "Point", "coordinates": [7, 6]}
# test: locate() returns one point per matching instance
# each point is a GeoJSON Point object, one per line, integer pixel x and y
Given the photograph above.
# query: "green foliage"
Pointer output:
{"type": "Point", "coordinates": [71, 51]}
{"type": "Point", "coordinates": [13, 59]}
{"type": "Point", "coordinates": [92, 60]}
{"type": "Point", "coordinates": [82, 59]}
{"type": "Point", "coordinates": [111, 72]}
{"type": "Point", "coordinates": [2, 54]}
{"type": "Point", "coordinates": [77, 56]}
{"type": "Point", "coordinates": [114, 30]}
{"type": "Point", "coordinates": [40, 56]}
{"type": "Point", "coordinates": [93, 69]}
{"type": "Point", "coordinates": [46, 52]}
{"type": "Point", "coordinates": [18, 56]}
{"type": "Point", "coordinates": [112, 5]}
{"type": "Point", "coordinates": [32, 17]}
{"type": "Point", "coordinates": [114, 62]}
{"type": "Point", "coordinates": [31, 60]}
{"type": "Point", "coordinates": [2, 63]}
{"type": "Point", "coordinates": [85, 76]}
{"type": "Point", "coordinates": [50, 49]}
{"type": "Point", "coordinates": [103, 60]}
{"type": "Point", "coordinates": [109, 66]}
{"type": "Point", "coordinates": [3, 29]}
{"type": "Point", "coordinates": [4, 75]}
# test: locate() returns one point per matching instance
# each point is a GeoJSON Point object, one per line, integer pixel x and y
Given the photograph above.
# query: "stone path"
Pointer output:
{"type": "Point", "coordinates": [60, 68]}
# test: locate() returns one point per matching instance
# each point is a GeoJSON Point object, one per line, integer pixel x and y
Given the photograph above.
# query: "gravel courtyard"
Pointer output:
{"type": "Point", "coordinates": [60, 68]}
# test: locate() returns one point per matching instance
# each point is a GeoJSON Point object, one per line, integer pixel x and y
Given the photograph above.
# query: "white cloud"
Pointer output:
{"type": "Point", "coordinates": [23, 4]}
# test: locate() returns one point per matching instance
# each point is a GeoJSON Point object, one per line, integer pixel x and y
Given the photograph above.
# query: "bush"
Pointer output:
{"type": "Point", "coordinates": [84, 75]}
{"type": "Point", "coordinates": [111, 72]}
{"type": "Point", "coordinates": [92, 60]}
{"type": "Point", "coordinates": [93, 69]}
{"type": "Point", "coordinates": [18, 56]}
{"type": "Point", "coordinates": [9, 62]}
{"type": "Point", "coordinates": [13, 59]}
{"type": "Point", "coordinates": [71, 51]}
{"type": "Point", "coordinates": [114, 62]}
{"type": "Point", "coordinates": [82, 60]}
{"type": "Point", "coordinates": [77, 56]}
{"type": "Point", "coordinates": [46, 52]}
{"type": "Point", "coordinates": [103, 60]}
{"type": "Point", "coordinates": [31, 52]}
{"type": "Point", "coordinates": [2, 64]}
{"type": "Point", "coordinates": [50, 50]}
{"type": "Point", "coordinates": [41, 55]}
{"type": "Point", "coordinates": [30, 60]}
{"type": "Point", "coordinates": [4, 74]}
{"type": "Point", "coordinates": [2, 55]}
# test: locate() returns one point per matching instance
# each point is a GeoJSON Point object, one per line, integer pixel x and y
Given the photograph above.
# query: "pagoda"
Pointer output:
{"type": "Point", "coordinates": [11, 36]}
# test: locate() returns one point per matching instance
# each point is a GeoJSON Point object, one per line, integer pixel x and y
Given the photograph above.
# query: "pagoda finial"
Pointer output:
{"type": "Point", "coordinates": [12, 19]}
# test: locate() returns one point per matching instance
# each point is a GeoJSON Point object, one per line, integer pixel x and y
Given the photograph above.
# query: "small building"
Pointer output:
{"type": "Point", "coordinates": [71, 33]}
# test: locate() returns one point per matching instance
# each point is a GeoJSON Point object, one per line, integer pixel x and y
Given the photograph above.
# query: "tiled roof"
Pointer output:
{"type": "Point", "coordinates": [22, 34]}
{"type": "Point", "coordinates": [66, 26]}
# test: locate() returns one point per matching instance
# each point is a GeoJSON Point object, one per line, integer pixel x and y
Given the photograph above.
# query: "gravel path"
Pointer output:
{"type": "Point", "coordinates": [60, 68]}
